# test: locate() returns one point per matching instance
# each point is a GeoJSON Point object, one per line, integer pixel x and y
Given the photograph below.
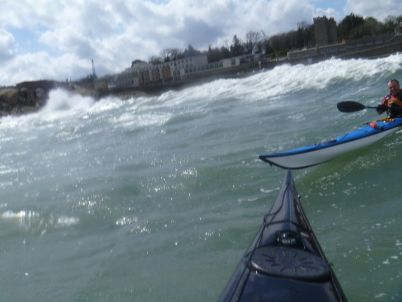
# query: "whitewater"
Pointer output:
{"type": "Point", "coordinates": [156, 198]}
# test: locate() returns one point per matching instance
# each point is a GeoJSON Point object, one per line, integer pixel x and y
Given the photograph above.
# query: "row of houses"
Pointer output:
{"type": "Point", "coordinates": [142, 75]}
{"type": "Point", "coordinates": [145, 76]}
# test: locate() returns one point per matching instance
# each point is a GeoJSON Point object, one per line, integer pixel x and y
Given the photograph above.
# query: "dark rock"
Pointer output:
{"type": "Point", "coordinates": [25, 97]}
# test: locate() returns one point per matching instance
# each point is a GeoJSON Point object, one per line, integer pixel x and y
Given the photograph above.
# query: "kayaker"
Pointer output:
{"type": "Point", "coordinates": [392, 102]}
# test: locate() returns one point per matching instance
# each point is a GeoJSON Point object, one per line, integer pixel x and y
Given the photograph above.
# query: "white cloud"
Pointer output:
{"type": "Point", "coordinates": [7, 45]}
{"type": "Point", "coordinates": [39, 65]}
{"type": "Point", "coordinates": [329, 12]}
{"type": "Point", "coordinates": [379, 10]}
{"type": "Point", "coordinates": [114, 33]}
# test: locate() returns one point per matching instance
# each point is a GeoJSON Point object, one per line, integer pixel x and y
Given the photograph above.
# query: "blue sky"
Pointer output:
{"type": "Point", "coordinates": [337, 5]}
{"type": "Point", "coordinates": [57, 39]}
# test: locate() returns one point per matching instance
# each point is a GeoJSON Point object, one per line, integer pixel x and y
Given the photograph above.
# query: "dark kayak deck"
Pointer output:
{"type": "Point", "coordinates": [285, 261]}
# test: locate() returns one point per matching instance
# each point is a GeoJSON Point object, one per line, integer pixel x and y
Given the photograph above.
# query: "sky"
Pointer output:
{"type": "Point", "coordinates": [57, 39]}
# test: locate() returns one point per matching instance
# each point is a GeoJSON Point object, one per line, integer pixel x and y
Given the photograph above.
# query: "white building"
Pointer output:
{"type": "Point", "coordinates": [231, 62]}
{"type": "Point", "coordinates": [142, 74]}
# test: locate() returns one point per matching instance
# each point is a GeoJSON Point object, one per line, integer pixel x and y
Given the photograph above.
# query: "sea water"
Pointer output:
{"type": "Point", "coordinates": [156, 198]}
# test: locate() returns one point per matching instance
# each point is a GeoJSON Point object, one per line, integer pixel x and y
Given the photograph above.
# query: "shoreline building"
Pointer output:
{"type": "Point", "coordinates": [327, 45]}
{"type": "Point", "coordinates": [325, 31]}
{"type": "Point", "coordinates": [147, 76]}
{"type": "Point", "coordinates": [143, 76]}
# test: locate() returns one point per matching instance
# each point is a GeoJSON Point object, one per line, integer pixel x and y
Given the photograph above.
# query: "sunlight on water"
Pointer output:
{"type": "Point", "coordinates": [125, 199]}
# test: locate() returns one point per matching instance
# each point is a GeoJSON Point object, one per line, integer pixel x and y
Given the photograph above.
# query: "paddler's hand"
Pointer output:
{"type": "Point", "coordinates": [381, 108]}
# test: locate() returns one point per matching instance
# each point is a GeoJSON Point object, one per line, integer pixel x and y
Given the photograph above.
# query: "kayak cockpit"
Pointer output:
{"type": "Point", "coordinates": [287, 262]}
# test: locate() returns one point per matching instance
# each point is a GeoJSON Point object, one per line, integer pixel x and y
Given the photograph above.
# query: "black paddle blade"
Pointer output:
{"type": "Point", "coordinates": [350, 106]}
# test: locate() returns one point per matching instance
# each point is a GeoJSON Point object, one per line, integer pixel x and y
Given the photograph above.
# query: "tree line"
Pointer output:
{"type": "Point", "coordinates": [350, 28]}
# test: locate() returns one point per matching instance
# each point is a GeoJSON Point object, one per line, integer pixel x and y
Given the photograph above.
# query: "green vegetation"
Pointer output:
{"type": "Point", "coordinates": [355, 27]}
{"type": "Point", "coordinates": [350, 28]}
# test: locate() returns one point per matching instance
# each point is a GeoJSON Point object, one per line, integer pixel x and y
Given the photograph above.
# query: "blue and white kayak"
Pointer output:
{"type": "Point", "coordinates": [311, 155]}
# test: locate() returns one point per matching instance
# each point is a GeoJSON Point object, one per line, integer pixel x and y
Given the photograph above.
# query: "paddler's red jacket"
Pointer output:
{"type": "Point", "coordinates": [394, 101]}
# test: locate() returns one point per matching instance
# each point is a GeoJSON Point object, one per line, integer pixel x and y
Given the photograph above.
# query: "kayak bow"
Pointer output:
{"type": "Point", "coordinates": [285, 261]}
{"type": "Point", "coordinates": [311, 155]}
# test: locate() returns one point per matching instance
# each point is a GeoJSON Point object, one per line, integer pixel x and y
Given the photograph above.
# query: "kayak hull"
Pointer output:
{"type": "Point", "coordinates": [315, 154]}
{"type": "Point", "coordinates": [285, 262]}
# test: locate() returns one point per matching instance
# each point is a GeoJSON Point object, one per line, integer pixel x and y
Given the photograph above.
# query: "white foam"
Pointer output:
{"type": "Point", "coordinates": [380, 295]}
{"type": "Point", "coordinates": [19, 215]}
{"type": "Point", "coordinates": [8, 170]}
{"type": "Point", "coordinates": [190, 172]}
{"type": "Point", "coordinates": [28, 219]}
{"type": "Point", "coordinates": [284, 79]}
{"type": "Point", "coordinates": [133, 222]}
{"type": "Point", "coordinates": [62, 103]}
{"type": "Point", "coordinates": [262, 190]}
{"type": "Point", "coordinates": [133, 121]}
{"type": "Point", "coordinates": [126, 220]}
{"type": "Point", "coordinates": [268, 86]}
{"type": "Point", "coordinates": [67, 221]}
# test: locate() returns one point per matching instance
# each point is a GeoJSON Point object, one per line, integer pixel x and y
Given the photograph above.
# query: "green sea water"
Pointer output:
{"type": "Point", "coordinates": [157, 198]}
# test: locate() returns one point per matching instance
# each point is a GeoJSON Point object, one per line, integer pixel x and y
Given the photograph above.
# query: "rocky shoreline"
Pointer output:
{"type": "Point", "coordinates": [28, 97]}
{"type": "Point", "coordinates": [31, 96]}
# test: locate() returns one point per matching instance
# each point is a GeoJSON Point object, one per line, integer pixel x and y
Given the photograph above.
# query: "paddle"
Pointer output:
{"type": "Point", "coordinates": [352, 106]}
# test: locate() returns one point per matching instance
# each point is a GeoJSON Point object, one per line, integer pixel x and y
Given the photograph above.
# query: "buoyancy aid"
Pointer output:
{"type": "Point", "coordinates": [394, 104]}
{"type": "Point", "coordinates": [393, 100]}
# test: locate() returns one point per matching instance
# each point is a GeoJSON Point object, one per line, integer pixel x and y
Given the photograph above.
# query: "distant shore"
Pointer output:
{"type": "Point", "coordinates": [151, 78]}
{"type": "Point", "coordinates": [31, 96]}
